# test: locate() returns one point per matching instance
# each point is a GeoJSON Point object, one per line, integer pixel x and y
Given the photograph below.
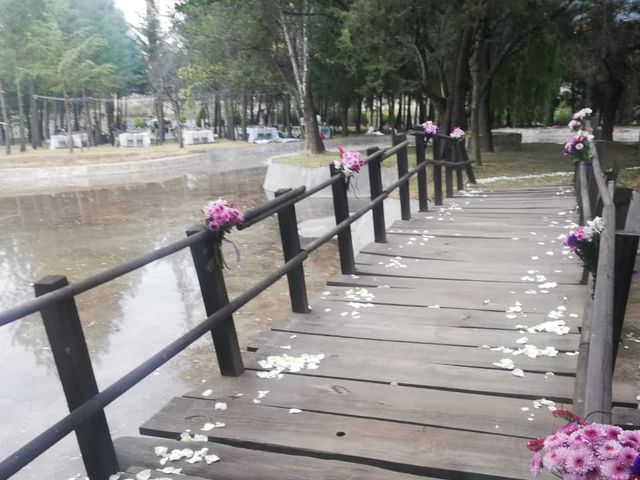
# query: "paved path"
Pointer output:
{"type": "Point", "coordinates": [439, 359]}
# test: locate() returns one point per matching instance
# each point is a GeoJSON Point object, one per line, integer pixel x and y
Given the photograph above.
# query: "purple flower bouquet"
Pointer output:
{"type": "Point", "coordinates": [220, 216]}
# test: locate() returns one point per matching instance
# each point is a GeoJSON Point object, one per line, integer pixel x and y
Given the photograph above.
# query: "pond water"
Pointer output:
{"type": "Point", "coordinates": [126, 321]}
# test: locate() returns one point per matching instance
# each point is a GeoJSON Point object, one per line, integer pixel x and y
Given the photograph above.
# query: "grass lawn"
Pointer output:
{"type": "Point", "coordinates": [43, 157]}
{"type": "Point", "coordinates": [532, 159]}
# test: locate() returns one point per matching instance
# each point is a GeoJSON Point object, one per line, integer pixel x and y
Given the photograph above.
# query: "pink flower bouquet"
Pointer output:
{"type": "Point", "coordinates": [220, 216]}
{"type": "Point", "coordinates": [349, 162]}
{"type": "Point", "coordinates": [584, 241]}
{"type": "Point", "coordinates": [430, 128]}
{"type": "Point", "coordinates": [457, 133]}
{"type": "Point", "coordinates": [589, 451]}
{"type": "Point", "coordinates": [580, 146]}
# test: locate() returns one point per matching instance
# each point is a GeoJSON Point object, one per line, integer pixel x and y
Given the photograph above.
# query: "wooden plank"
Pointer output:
{"type": "Point", "coordinates": [437, 269]}
{"type": "Point", "coordinates": [487, 225]}
{"type": "Point", "coordinates": [130, 472]}
{"type": "Point", "coordinates": [415, 316]}
{"type": "Point", "coordinates": [245, 464]}
{"type": "Point", "coordinates": [424, 353]}
{"type": "Point", "coordinates": [448, 229]}
{"type": "Point", "coordinates": [496, 296]}
{"type": "Point", "coordinates": [450, 297]}
{"type": "Point", "coordinates": [415, 449]}
{"type": "Point", "coordinates": [410, 371]}
{"type": "Point", "coordinates": [524, 257]}
{"type": "Point", "coordinates": [420, 406]}
{"type": "Point", "coordinates": [407, 329]}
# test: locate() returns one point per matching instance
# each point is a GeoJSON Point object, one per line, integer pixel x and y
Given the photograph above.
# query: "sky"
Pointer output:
{"type": "Point", "coordinates": [134, 10]}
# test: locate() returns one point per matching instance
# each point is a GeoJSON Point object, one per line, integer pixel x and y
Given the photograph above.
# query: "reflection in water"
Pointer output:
{"type": "Point", "coordinates": [127, 320]}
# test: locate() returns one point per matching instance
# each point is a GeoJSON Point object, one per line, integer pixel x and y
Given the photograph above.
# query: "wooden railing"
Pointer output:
{"type": "Point", "coordinates": [56, 303]}
{"type": "Point", "coordinates": [605, 309]}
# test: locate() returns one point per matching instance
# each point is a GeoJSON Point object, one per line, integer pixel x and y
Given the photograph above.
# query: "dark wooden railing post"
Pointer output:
{"type": "Point", "coordinates": [437, 171]}
{"type": "Point", "coordinates": [402, 159]}
{"type": "Point", "coordinates": [214, 296]}
{"type": "Point", "coordinates": [288, 223]}
{"type": "Point", "coordinates": [375, 188]}
{"type": "Point", "coordinates": [70, 352]}
{"type": "Point", "coordinates": [421, 158]}
{"type": "Point", "coordinates": [341, 211]}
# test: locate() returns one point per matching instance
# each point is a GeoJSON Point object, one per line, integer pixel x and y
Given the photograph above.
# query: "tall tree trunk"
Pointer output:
{"type": "Point", "coordinates": [159, 106]}
{"type": "Point", "coordinates": [244, 117]}
{"type": "Point", "coordinates": [68, 116]}
{"type": "Point", "coordinates": [179, 125]}
{"type": "Point", "coordinates": [230, 133]}
{"type": "Point", "coordinates": [476, 80]}
{"type": "Point", "coordinates": [45, 120]}
{"type": "Point", "coordinates": [613, 93]}
{"type": "Point", "coordinates": [312, 142]}
{"type": "Point", "coordinates": [35, 124]}
{"type": "Point", "coordinates": [110, 110]}
{"type": "Point", "coordinates": [359, 115]}
{"type": "Point", "coordinates": [6, 122]}
{"type": "Point", "coordinates": [409, 123]}
{"type": "Point", "coordinates": [391, 105]}
{"type": "Point", "coordinates": [345, 119]}
{"type": "Point", "coordinates": [422, 109]}
{"type": "Point", "coordinates": [398, 119]}
{"type": "Point", "coordinates": [455, 114]}
{"type": "Point", "coordinates": [23, 138]}
{"type": "Point", "coordinates": [98, 123]}
{"type": "Point", "coordinates": [87, 119]}
{"type": "Point", "coordinates": [286, 107]}
{"type": "Point", "coordinates": [485, 115]}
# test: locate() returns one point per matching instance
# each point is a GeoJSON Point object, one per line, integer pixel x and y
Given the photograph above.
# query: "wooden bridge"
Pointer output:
{"type": "Point", "coordinates": [437, 353]}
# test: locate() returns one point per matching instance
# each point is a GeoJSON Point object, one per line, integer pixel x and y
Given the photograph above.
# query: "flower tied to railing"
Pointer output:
{"type": "Point", "coordinates": [220, 216]}
{"type": "Point", "coordinates": [581, 145]}
{"type": "Point", "coordinates": [430, 130]}
{"type": "Point", "coordinates": [349, 162]}
{"type": "Point", "coordinates": [582, 450]}
{"type": "Point", "coordinates": [584, 241]}
{"type": "Point", "coordinates": [457, 133]}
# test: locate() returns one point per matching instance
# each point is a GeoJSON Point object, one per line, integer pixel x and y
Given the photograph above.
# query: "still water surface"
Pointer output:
{"type": "Point", "coordinates": [125, 321]}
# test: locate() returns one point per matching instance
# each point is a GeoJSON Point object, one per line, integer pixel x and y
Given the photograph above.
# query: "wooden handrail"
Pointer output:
{"type": "Point", "coordinates": [219, 309]}
{"type": "Point", "coordinates": [605, 194]}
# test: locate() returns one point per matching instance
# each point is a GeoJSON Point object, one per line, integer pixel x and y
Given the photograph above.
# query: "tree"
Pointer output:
{"type": "Point", "coordinates": [65, 58]}
{"type": "Point", "coordinates": [609, 34]}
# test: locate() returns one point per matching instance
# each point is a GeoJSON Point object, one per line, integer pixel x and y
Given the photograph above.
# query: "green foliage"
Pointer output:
{"type": "Point", "coordinates": [139, 123]}
{"type": "Point", "coordinates": [562, 115]}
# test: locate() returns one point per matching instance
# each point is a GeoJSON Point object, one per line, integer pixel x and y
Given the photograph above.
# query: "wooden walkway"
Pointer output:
{"type": "Point", "coordinates": [432, 362]}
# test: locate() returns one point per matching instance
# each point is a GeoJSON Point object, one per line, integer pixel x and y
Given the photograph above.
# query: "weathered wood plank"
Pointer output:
{"type": "Point", "coordinates": [442, 297]}
{"type": "Point", "coordinates": [420, 406]}
{"type": "Point", "coordinates": [481, 295]}
{"type": "Point", "coordinates": [414, 449]}
{"type": "Point", "coordinates": [523, 258]}
{"type": "Point", "coordinates": [438, 269]}
{"type": "Point", "coordinates": [245, 464]}
{"type": "Point", "coordinates": [424, 353]}
{"type": "Point", "coordinates": [406, 329]}
{"type": "Point", "coordinates": [416, 316]}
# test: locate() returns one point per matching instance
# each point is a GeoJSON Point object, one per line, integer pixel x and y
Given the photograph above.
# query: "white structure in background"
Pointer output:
{"type": "Point", "coordinates": [62, 141]}
{"type": "Point", "coordinates": [137, 139]}
{"type": "Point", "coordinates": [195, 137]}
{"type": "Point", "coordinates": [266, 135]}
